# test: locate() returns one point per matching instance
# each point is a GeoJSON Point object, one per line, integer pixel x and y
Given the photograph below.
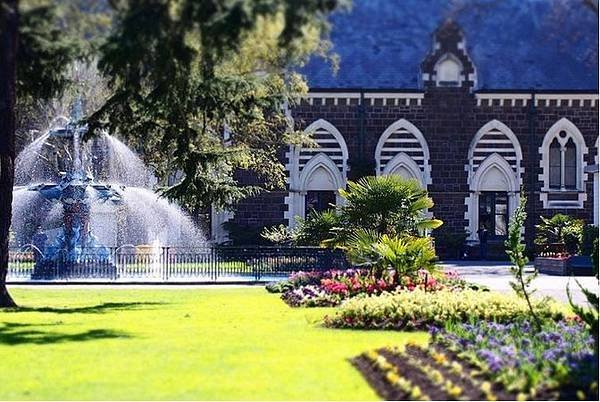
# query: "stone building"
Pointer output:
{"type": "Point", "coordinates": [475, 99]}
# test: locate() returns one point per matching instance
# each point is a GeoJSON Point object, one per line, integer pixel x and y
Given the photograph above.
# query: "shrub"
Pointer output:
{"type": "Point", "coordinates": [403, 255]}
{"type": "Point", "coordinates": [418, 309]}
{"type": "Point", "coordinates": [562, 229]}
{"type": "Point", "coordinates": [595, 257]}
{"type": "Point", "coordinates": [589, 237]}
{"type": "Point", "coordinates": [279, 286]}
{"type": "Point", "coordinates": [279, 235]}
{"type": "Point", "coordinates": [316, 228]}
{"type": "Point", "coordinates": [388, 205]}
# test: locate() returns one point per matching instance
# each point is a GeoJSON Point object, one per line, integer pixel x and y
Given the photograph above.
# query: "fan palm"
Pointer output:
{"type": "Point", "coordinates": [405, 255]}
{"type": "Point", "coordinates": [388, 205]}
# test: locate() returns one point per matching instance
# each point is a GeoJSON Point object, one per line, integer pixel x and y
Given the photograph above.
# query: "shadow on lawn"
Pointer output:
{"type": "Point", "coordinates": [12, 333]}
{"type": "Point", "coordinates": [96, 309]}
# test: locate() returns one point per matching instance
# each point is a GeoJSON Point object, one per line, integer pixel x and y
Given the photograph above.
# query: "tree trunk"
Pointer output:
{"type": "Point", "coordinates": [8, 77]}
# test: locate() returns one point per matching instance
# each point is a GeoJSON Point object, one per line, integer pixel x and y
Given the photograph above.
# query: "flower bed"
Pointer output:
{"type": "Point", "coordinates": [419, 309]}
{"type": "Point", "coordinates": [488, 361]}
{"type": "Point", "coordinates": [416, 373]}
{"type": "Point", "coordinates": [330, 288]}
{"type": "Point", "coordinates": [559, 359]}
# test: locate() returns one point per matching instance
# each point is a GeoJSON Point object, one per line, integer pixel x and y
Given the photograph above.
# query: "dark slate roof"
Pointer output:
{"type": "Point", "coordinates": [514, 44]}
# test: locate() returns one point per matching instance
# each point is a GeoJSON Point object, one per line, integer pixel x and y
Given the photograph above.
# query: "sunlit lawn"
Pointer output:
{"type": "Point", "coordinates": [205, 343]}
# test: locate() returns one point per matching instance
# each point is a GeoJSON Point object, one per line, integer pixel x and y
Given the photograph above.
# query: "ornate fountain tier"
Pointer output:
{"type": "Point", "coordinates": [74, 191]}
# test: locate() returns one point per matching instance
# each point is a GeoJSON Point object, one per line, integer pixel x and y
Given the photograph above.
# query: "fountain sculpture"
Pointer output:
{"type": "Point", "coordinates": [70, 215]}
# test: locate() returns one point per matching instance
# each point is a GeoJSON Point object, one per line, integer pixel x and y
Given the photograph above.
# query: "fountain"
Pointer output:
{"type": "Point", "coordinates": [74, 202]}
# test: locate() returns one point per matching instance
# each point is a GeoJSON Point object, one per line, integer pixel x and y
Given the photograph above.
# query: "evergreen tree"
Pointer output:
{"type": "Point", "coordinates": [199, 85]}
{"type": "Point", "coordinates": [33, 55]}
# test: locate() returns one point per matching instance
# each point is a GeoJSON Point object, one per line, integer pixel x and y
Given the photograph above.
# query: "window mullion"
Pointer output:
{"type": "Point", "coordinates": [562, 167]}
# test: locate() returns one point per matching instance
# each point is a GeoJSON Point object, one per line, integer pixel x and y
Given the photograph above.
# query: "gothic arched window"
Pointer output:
{"type": "Point", "coordinates": [563, 163]}
{"type": "Point", "coordinates": [555, 164]}
{"type": "Point", "coordinates": [570, 165]}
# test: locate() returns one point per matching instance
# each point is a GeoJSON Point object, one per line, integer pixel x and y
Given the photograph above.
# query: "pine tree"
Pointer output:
{"type": "Point", "coordinates": [33, 55]}
{"type": "Point", "coordinates": [184, 72]}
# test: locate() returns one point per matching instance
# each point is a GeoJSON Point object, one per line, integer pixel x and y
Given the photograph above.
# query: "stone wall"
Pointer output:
{"type": "Point", "coordinates": [449, 118]}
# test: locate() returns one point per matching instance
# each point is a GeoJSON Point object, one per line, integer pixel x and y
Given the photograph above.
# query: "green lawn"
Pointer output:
{"type": "Point", "coordinates": [206, 343]}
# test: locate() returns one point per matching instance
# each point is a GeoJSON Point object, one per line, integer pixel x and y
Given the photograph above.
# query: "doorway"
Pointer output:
{"type": "Point", "coordinates": [493, 213]}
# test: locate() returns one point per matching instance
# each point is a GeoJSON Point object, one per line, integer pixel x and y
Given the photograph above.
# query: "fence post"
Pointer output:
{"type": "Point", "coordinates": [166, 265]}
{"type": "Point", "coordinates": [259, 263]}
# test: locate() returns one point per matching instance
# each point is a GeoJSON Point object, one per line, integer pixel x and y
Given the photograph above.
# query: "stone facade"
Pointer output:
{"type": "Point", "coordinates": [447, 133]}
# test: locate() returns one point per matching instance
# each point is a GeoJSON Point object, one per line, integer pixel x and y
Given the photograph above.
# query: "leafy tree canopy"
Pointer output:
{"type": "Point", "coordinates": [184, 72]}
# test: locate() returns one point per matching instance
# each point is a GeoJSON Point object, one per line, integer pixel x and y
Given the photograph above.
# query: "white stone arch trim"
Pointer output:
{"type": "Point", "coordinates": [325, 125]}
{"type": "Point", "coordinates": [296, 166]}
{"type": "Point", "coordinates": [411, 128]}
{"type": "Point", "coordinates": [573, 132]}
{"type": "Point", "coordinates": [403, 160]}
{"type": "Point", "coordinates": [321, 160]}
{"type": "Point", "coordinates": [493, 161]}
{"type": "Point", "coordinates": [504, 129]}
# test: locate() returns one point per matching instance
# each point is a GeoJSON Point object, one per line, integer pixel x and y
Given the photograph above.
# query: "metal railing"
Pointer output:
{"type": "Point", "coordinates": [163, 264]}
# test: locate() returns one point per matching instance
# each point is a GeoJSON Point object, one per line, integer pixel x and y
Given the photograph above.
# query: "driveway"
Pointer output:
{"type": "Point", "coordinates": [496, 275]}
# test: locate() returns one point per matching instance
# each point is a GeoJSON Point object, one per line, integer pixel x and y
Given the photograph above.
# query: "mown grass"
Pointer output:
{"type": "Point", "coordinates": [206, 343]}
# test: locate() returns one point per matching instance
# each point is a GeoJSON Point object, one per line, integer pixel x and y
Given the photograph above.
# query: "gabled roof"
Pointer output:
{"type": "Point", "coordinates": [514, 44]}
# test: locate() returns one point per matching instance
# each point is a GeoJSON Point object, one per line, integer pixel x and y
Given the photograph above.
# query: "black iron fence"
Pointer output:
{"type": "Point", "coordinates": [163, 264]}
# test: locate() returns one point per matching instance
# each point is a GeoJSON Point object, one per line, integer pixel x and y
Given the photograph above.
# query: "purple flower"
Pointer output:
{"type": "Point", "coordinates": [434, 331]}
{"type": "Point", "coordinates": [493, 361]}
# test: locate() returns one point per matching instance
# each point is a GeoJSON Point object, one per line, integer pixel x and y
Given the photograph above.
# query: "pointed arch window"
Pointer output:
{"type": "Point", "coordinates": [562, 163]}
{"type": "Point", "coordinates": [555, 164]}
{"type": "Point", "coordinates": [570, 165]}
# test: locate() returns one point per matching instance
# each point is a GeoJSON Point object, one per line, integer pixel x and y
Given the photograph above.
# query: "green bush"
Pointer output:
{"type": "Point", "coordinates": [560, 229]}
{"type": "Point", "coordinates": [404, 255]}
{"type": "Point", "coordinates": [589, 236]}
{"type": "Point", "coordinates": [595, 257]}
{"type": "Point", "coordinates": [316, 228]}
{"type": "Point", "coordinates": [419, 309]}
{"type": "Point", "coordinates": [388, 205]}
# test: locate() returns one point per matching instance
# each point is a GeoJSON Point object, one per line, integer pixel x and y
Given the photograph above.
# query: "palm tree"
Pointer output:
{"type": "Point", "coordinates": [388, 205]}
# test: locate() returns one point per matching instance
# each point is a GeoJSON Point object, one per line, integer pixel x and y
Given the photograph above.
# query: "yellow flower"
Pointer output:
{"type": "Point", "coordinates": [372, 355]}
{"type": "Point", "coordinates": [456, 367]}
{"type": "Point", "coordinates": [490, 397]}
{"type": "Point", "coordinates": [416, 392]}
{"type": "Point", "coordinates": [580, 395]}
{"type": "Point", "coordinates": [404, 384]}
{"type": "Point", "coordinates": [439, 358]}
{"type": "Point", "coordinates": [455, 391]}
{"type": "Point", "coordinates": [437, 377]}
{"type": "Point", "coordinates": [486, 387]}
{"type": "Point", "coordinates": [521, 397]}
{"type": "Point", "coordinates": [392, 377]}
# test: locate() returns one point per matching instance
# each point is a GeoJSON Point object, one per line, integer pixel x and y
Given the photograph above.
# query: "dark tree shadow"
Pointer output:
{"type": "Point", "coordinates": [96, 309]}
{"type": "Point", "coordinates": [12, 333]}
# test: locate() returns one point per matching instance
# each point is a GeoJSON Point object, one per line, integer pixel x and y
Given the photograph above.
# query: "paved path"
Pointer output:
{"type": "Point", "coordinates": [496, 275]}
